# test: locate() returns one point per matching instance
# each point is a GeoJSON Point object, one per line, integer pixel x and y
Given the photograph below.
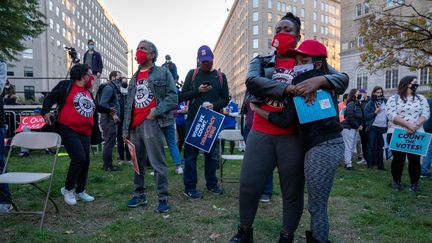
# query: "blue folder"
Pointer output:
{"type": "Point", "coordinates": [321, 109]}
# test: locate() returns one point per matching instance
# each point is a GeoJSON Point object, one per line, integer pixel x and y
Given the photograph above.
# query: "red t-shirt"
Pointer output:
{"type": "Point", "coordinates": [77, 112]}
{"type": "Point", "coordinates": [144, 99]}
{"type": "Point", "coordinates": [283, 73]}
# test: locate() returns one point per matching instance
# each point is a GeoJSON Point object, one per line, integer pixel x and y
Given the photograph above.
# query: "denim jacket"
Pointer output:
{"type": "Point", "coordinates": [162, 84]}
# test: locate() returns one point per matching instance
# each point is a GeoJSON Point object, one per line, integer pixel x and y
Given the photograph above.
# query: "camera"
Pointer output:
{"type": "Point", "coordinates": [73, 54]}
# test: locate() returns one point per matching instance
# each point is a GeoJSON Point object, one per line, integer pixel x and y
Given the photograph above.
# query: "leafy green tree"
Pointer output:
{"type": "Point", "coordinates": [20, 20]}
{"type": "Point", "coordinates": [397, 36]}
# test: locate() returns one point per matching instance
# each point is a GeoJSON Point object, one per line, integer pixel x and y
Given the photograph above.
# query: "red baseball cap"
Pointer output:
{"type": "Point", "coordinates": [310, 48]}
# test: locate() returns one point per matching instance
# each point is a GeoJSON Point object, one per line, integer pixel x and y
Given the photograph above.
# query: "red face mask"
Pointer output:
{"type": "Point", "coordinates": [206, 66]}
{"type": "Point", "coordinates": [90, 81]}
{"type": "Point", "coordinates": [141, 56]}
{"type": "Point", "coordinates": [284, 42]}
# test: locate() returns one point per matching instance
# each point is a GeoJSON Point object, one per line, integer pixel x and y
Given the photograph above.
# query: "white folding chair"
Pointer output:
{"type": "Point", "coordinates": [228, 135]}
{"type": "Point", "coordinates": [34, 141]}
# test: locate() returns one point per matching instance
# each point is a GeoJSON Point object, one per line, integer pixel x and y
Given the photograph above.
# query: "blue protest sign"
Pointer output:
{"type": "Point", "coordinates": [204, 129]}
{"type": "Point", "coordinates": [415, 143]}
{"type": "Point", "coordinates": [321, 109]}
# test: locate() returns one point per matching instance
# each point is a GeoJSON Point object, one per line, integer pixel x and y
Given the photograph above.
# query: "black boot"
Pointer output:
{"type": "Point", "coordinates": [310, 239]}
{"type": "Point", "coordinates": [244, 235]}
{"type": "Point", "coordinates": [286, 237]}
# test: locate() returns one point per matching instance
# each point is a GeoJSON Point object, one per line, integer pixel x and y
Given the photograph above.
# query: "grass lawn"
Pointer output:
{"type": "Point", "coordinates": [362, 209]}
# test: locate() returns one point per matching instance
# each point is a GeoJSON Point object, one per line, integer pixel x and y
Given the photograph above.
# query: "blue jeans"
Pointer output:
{"type": "Point", "coordinates": [268, 188]}
{"type": "Point", "coordinates": [190, 169]}
{"type": "Point", "coordinates": [170, 137]}
{"type": "Point", "coordinates": [3, 187]}
{"type": "Point", "coordinates": [427, 161]}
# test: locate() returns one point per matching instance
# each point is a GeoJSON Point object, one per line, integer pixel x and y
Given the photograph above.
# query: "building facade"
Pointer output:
{"type": "Point", "coordinates": [70, 23]}
{"type": "Point", "coordinates": [249, 30]}
{"type": "Point", "coordinates": [351, 43]}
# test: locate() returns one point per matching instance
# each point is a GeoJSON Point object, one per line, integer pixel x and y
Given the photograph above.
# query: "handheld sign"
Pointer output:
{"type": "Point", "coordinates": [415, 143]}
{"type": "Point", "coordinates": [32, 122]}
{"type": "Point", "coordinates": [133, 155]}
{"type": "Point", "coordinates": [321, 109]}
{"type": "Point", "coordinates": [204, 129]}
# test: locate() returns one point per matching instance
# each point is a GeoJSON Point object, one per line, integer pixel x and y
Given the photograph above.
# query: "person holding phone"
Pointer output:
{"type": "Point", "coordinates": [208, 87]}
{"type": "Point", "coordinates": [376, 125]}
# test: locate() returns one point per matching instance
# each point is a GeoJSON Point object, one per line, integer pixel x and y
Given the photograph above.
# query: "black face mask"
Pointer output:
{"type": "Point", "coordinates": [359, 97]}
{"type": "Point", "coordinates": [414, 87]}
{"type": "Point", "coordinates": [124, 85]}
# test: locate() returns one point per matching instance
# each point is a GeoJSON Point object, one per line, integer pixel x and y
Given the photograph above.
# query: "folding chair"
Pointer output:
{"type": "Point", "coordinates": [228, 135]}
{"type": "Point", "coordinates": [39, 141]}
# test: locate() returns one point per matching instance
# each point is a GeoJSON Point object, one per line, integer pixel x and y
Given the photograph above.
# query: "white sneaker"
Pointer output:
{"type": "Point", "coordinates": [179, 170]}
{"type": "Point", "coordinates": [152, 173]}
{"type": "Point", "coordinates": [361, 162]}
{"type": "Point", "coordinates": [84, 197]}
{"type": "Point", "coordinates": [69, 196]}
{"type": "Point", "coordinates": [5, 207]}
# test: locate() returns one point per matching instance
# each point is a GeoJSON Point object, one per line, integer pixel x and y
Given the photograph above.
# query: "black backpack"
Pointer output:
{"type": "Point", "coordinates": [99, 108]}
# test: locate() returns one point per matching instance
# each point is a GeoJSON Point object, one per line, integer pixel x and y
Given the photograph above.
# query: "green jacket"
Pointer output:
{"type": "Point", "coordinates": [163, 87]}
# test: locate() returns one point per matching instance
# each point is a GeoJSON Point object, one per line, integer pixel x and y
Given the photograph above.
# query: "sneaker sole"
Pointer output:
{"type": "Point", "coordinates": [160, 211]}
{"type": "Point", "coordinates": [192, 198]}
{"type": "Point", "coordinates": [137, 205]}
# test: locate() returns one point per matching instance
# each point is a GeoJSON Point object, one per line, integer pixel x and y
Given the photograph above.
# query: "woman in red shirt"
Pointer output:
{"type": "Point", "coordinates": [74, 124]}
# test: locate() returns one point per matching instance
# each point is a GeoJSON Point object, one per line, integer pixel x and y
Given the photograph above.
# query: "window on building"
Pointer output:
{"type": "Point", "coordinates": [314, 28]}
{"type": "Point", "coordinates": [278, 18]}
{"type": "Point", "coordinates": [270, 30]}
{"type": "Point", "coordinates": [270, 4]}
{"type": "Point", "coordinates": [391, 3]}
{"type": "Point", "coordinates": [10, 71]}
{"type": "Point", "coordinates": [255, 44]}
{"type": "Point", "coordinates": [255, 3]}
{"type": "Point", "coordinates": [362, 78]}
{"type": "Point", "coordinates": [360, 41]}
{"type": "Point", "coordinates": [255, 16]}
{"type": "Point", "coordinates": [255, 30]}
{"type": "Point", "coordinates": [322, 18]}
{"type": "Point", "coordinates": [366, 7]}
{"type": "Point", "coordinates": [289, 8]}
{"type": "Point", "coordinates": [391, 79]}
{"type": "Point", "coordinates": [50, 5]}
{"type": "Point", "coordinates": [358, 8]}
{"type": "Point", "coordinates": [269, 17]}
{"type": "Point", "coordinates": [283, 7]}
{"type": "Point", "coordinates": [425, 76]}
{"type": "Point", "coordinates": [255, 54]}
{"type": "Point", "coordinates": [51, 23]}
{"type": "Point", "coordinates": [29, 92]}
{"type": "Point", "coordinates": [27, 53]}
{"type": "Point", "coordinates": [314, 16]}
{"type": "Point", "coordinates": [269, 43]}
{"type": "Point", "coordinates": [28, 71]}
{"type": "Point", "coordinates": [64, 32]}
{"type": "Point", "coordinates": [302, 1]}
{"type": "Point", "coordinates": [315, 3]}
{"type": "Point", "coordinates": [302, 12]}
{"type": "Point", "coordinates": [57, 11]}
{"type": "Point", "coordinates": [63, 17]}
{"type": "Point", "coordinates": [278, 6]}
{"type": "Point", "coordinates": [294, 10]}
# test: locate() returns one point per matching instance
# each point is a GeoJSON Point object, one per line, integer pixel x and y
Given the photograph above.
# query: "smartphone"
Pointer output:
{"type": "Point", "coordinates": [207, 83]}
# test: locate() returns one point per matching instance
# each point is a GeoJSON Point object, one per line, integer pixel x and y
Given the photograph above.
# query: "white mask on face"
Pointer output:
{"type": "Point", "coordinates": [300, 69]}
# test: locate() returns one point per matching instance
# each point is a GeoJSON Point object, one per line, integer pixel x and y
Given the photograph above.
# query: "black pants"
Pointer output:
{"type": "Point", "coordinates": [398, 163]}
{"type": "Point", "coordinates": [364, 143]}
{"type": "Point", "coordinates": [78, 148]}
{"type": "Point", "coordinates": [121, 147]}
{"type": "Point", "coordinates": [181, 135]}
{"type": "Point", "coordinates": [375, 147]}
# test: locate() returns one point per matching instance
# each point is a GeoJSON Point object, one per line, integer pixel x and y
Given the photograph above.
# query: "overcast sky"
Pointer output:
{"type": "Point", "coordinates": [176, 27]}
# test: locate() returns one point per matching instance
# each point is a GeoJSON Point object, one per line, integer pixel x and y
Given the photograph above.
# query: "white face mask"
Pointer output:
{"type": "Point", "coordinates": [300, 69]}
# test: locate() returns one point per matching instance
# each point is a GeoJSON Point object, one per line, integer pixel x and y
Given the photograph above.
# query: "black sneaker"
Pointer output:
{"type": "Point", "coordinates": [396, 186]}
{"type": "Point", "coordinates": [163, 206]}
{"type": "Point", "coordinates": [215, 190]}
{"type": "Point", "coordinates": [193, 195]}
{"type": "Point", "coordinates": [425, 175]}
{"type": "Point", "coordinates": [349, 168]}
{"type": "Point", "coordinates": [243, 236]}
{"type": "Point", "coordinates": [286, 238]}
{"type": "Point", "coordinates": [414, 188]}
{"type": "Point", "coordinates": [112, 168]}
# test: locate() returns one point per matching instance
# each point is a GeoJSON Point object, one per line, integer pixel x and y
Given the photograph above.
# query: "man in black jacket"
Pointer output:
{"type": "Point", "coordinates": [209, 87]}
{"type": "Point", "coordinates": [109, 108]}
{"type": "Point", "coordinates": [94, 60]}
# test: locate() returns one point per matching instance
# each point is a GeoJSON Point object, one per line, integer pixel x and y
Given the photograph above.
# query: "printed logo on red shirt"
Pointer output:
{"type": "Point", "coordinates": [283, 75]}
{"type": "Point", "coordinates": [144, 95]}
{"type": "Point", "coordinates": [83, 104]}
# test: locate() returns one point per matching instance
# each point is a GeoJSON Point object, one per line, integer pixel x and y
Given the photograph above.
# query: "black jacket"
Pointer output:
{"type": "Point", "coordinates": [97, 64]}
{"type": "Point", "coordinates": [313, 133]}
{"type": "Point", "coordinates": [353, 115]}
{"type": "Point", "coordinates": [369, 111]}
{"type": "Point", "coordinates": [260, 84]}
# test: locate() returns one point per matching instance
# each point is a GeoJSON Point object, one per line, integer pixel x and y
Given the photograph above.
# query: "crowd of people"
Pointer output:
{"type": "Point", "coordinates": [149, 110]}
